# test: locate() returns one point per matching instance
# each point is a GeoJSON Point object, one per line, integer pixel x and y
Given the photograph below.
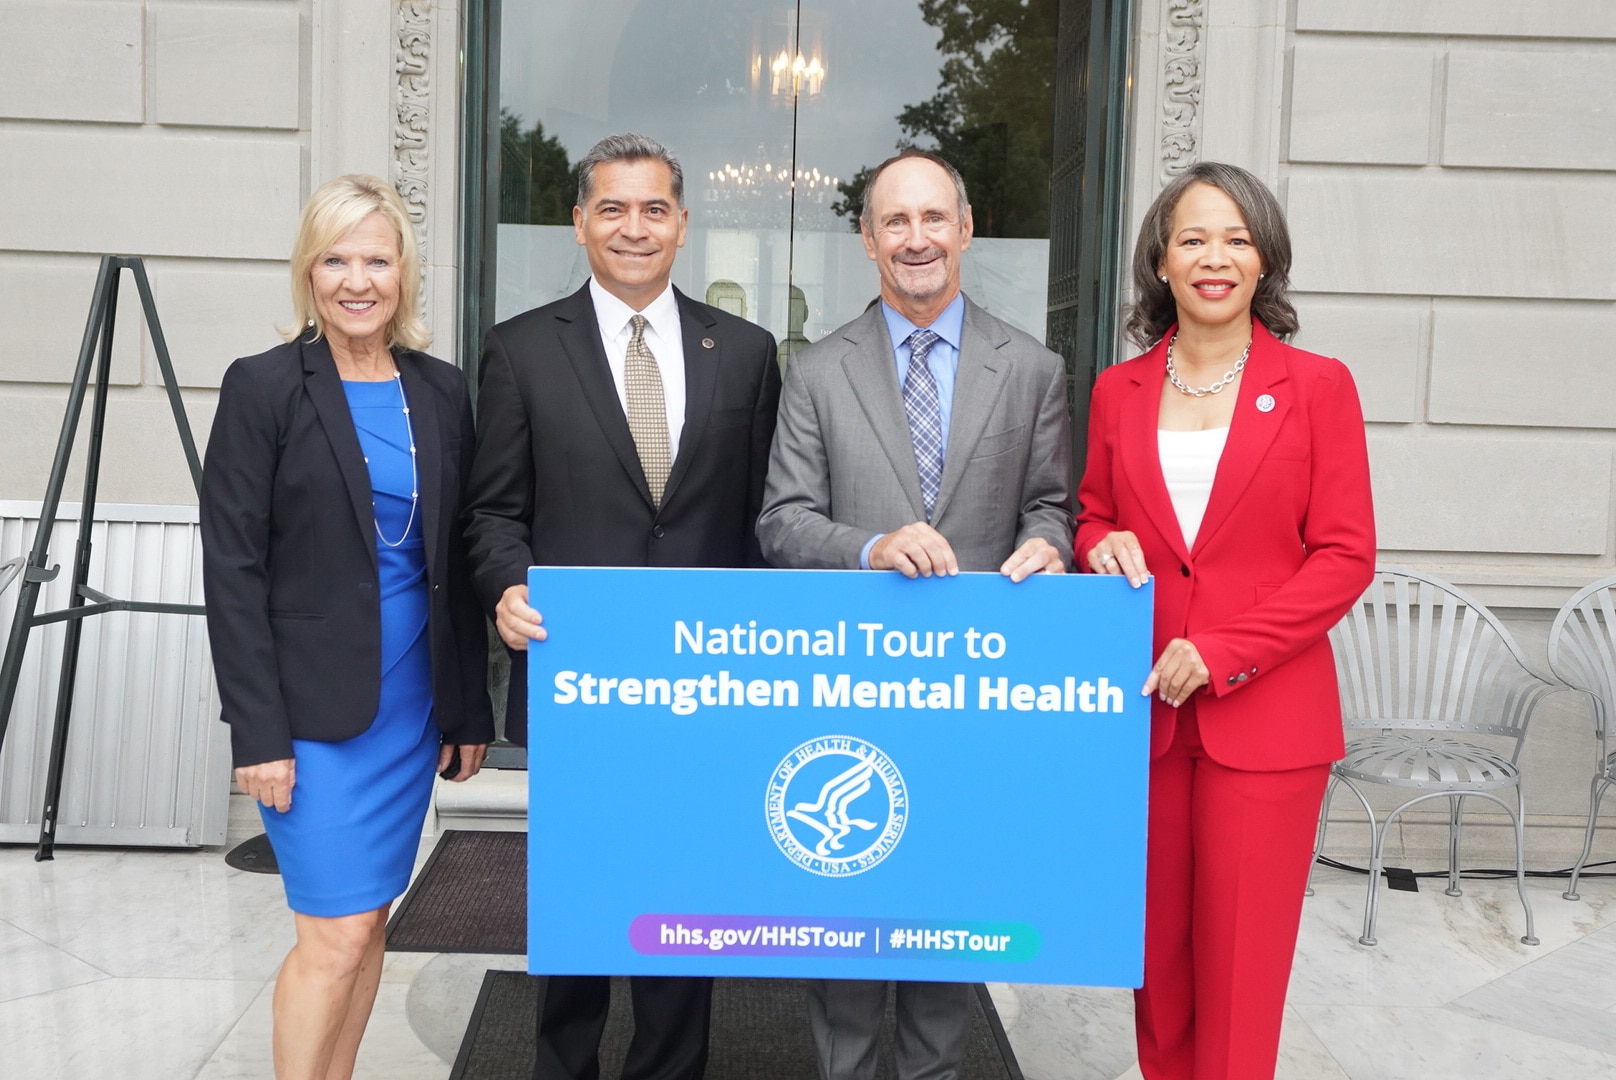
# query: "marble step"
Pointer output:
{"type": "Point", "coordinates": [494, 799]}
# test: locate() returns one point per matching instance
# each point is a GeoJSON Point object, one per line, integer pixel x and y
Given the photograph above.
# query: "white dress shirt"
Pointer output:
{"type": "Point", "coordinates": [1189, 463]}
{"type": "Point", "coordinates": [663, 336]}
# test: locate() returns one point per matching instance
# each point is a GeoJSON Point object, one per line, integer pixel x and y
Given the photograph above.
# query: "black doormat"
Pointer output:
{"type": "Point", "coordinates": [471, 896]}
{"type": "Point", "coordinates": [759, 1032]}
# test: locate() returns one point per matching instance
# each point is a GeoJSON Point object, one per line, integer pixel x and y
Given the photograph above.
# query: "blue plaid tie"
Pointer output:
{"type": "Point", "coordinates": [925, 413]}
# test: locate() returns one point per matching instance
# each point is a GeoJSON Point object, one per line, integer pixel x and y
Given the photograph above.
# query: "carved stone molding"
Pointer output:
{"type": "Point", "coordinates": [1184, 26]}
{"type": "Point", "coordinates": [412, 113]}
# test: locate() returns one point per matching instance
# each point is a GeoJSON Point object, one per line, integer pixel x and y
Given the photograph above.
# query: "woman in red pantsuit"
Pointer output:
{"type": "Point", "coordinates": [1233, 468]}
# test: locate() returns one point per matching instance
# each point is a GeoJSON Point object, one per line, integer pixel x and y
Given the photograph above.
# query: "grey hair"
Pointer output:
{"type": "Point", "coordinates": [866, 218]}
{"type": "Point", "coordinates": [627, 147]}
{"type": "Point", "coordinates": [1153, 311]}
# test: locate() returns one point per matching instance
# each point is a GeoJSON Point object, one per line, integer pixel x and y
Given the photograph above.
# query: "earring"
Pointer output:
{"type": "Point", "coordinates": [1164, 279]}
{"type": "Point", "coordinates": [1261, 276]}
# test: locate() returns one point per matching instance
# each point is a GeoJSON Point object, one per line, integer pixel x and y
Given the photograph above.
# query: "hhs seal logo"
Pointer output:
{"type": "Point", "coordinates": [836, 805]}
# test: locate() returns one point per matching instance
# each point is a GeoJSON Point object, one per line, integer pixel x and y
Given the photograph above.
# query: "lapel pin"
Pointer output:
{"type": "Point", "coordinates": [706, 342]}
{"type": "Point", "coordinates": [1265, 403]}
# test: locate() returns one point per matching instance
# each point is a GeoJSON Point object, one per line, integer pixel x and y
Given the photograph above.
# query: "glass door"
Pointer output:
{"type": "Point", "coordinates": [777, 112]}
{"type": "Point", "coordinates": [700, 76]}
{"type": "Point", "coordinates": [974, 82]}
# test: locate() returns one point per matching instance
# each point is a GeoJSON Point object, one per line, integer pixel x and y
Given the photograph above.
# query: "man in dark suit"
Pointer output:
{"type": "Point", "coordinates": [625, 425]}
{"type": "Point", "coordinates": [929, 438]}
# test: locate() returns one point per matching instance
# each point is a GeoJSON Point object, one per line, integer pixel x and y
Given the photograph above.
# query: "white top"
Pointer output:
{"type": "Point", "coordinates": [1189, 461]}
{"type": "Point", "coordinates": [663, 336]}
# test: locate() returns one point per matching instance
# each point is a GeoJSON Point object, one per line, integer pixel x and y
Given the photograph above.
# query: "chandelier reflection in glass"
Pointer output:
{"type": "Point", "coordinates": [794, 76]}
{"type": "Point", "coordinates": [759, 195]}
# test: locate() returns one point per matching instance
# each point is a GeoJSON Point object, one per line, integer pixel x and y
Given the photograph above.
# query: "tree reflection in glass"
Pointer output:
{"type": "Point", "coordinates": [537, 185]}
{"type": "Point", "coordinates": [993, 114]}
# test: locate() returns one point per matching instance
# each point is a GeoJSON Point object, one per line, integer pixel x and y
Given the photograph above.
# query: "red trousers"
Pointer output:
{"type": "Point", "coordinates": [1226, 866]}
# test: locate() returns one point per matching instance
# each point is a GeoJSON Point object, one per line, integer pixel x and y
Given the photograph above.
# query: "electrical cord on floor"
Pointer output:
{"type": "Point", "coordinates": [1485, 872]}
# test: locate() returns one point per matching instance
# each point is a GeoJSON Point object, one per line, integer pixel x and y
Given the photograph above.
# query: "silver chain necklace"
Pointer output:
{"type": "Point", "coordinates": [415, 477]}
{"type": "Point", "coordinates": [1202, 391]}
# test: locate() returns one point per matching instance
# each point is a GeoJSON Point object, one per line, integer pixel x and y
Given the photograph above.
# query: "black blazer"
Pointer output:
{"type": "Point", "coordinates": [557, 480]}
{"type": "Point", "coordinates": [289, 554]}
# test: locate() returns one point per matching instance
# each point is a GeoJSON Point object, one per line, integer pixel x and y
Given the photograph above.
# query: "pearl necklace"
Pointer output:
{"type": "Point", "coordinates": [1202, 391]}
{"type": "Point", "coordinates": [415, 478]}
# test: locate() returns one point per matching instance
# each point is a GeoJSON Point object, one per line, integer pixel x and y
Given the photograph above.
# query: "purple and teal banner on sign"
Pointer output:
{"type": "Point", "coordinates": [832, 774]}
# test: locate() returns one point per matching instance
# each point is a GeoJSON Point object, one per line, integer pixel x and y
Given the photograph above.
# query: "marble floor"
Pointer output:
{"type": "Point", "coordinates": [158, 965]}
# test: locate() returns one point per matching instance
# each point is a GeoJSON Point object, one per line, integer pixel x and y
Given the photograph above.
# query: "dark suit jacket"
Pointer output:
{"type": "Point", "coordinates": [289, 554]}
{"type": "Point", "coordinates": [1287, 546]}
{"type": "Point", "coordinates": [557, 481]}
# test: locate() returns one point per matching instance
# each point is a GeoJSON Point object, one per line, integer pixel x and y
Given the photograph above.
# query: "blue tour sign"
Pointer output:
{"type": "Point", "coordinates": [838, 774]}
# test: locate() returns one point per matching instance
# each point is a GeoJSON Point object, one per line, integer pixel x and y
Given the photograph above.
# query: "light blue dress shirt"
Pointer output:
{"type": "Point", "coordinates": [943, 361]}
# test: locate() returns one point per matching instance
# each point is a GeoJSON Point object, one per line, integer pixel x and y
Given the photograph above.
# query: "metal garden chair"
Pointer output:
{"type": "Point", "coordinates": [1425, 663]}
{"type": "Point", "coordinates": [1582, 654]}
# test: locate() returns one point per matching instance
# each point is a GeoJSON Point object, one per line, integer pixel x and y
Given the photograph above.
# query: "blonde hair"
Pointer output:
{"type": "Point", "coordinates": [329, 215]}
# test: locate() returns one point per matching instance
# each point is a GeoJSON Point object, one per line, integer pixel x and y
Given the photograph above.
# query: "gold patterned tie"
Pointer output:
{"type": "Point", "coordinates": [647, 411]}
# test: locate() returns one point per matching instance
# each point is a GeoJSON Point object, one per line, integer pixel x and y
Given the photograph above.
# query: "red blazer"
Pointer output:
{"type": "Point", "coordinates": [1287, 546]}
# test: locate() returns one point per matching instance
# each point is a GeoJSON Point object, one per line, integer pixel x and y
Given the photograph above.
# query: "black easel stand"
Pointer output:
{"type": "Point", "coordinates": [84, 601]}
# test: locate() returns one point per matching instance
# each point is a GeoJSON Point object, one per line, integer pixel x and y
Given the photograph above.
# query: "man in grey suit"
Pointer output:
{"type": "Point", "coordinates": [926, 437]}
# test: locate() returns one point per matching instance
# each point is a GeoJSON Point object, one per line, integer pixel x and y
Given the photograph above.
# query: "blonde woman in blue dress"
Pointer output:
{"type": "Point", "coordinates": [349, 650]}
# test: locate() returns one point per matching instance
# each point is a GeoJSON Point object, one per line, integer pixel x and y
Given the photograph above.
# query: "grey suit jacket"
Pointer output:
{"type": "Point", "coordinates": [842, 468]}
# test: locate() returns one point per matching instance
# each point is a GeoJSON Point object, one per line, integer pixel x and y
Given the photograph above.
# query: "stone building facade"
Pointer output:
{"type": "Point", "coordinates": [1449, 172]}
{"type": "Point", "coordinates": [1448, 167]}
{"type": "Point", "coordinates": [190, 132]}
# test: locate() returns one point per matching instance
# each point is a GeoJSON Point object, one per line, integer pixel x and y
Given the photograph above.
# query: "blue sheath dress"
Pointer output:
{"type": "Point", "coordinates": [348, 843]}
